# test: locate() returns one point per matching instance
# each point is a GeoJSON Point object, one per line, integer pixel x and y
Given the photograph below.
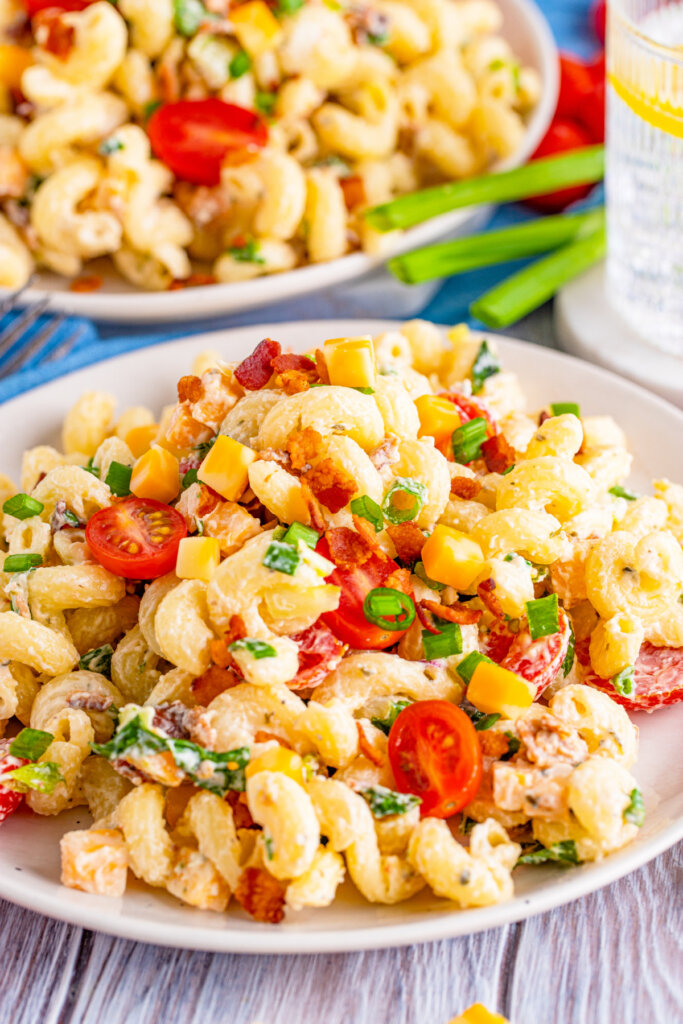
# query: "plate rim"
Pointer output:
{"type": "Point", "coordinates": [74, 908]}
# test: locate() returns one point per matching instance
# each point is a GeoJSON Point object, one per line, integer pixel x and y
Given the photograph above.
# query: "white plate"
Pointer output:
{"type": "Point", "coordinates": [530, 38]}
{"type": "Point", "coordinates": [29, 856]}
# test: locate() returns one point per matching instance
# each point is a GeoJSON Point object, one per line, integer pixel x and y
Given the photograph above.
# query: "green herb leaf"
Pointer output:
{"type": "Point", "coordinates": [240, 64]}
{"type": "Point", "coordinates": [298, 532]}
{"type": "Point", "coordinates": [269, 844]}
{"type": "Point", "coordinates": [189, 16]}
{"type": "Point", "coordinates": [389, 609]}
{"type": "Point", "coordinates": [30, 744]}
{"type": "Point", "coordinates": [443, 644]}
{"type": "Point", "coordinates": [571, 652]}
{"type": "Point", "coordinates": [620, 492]}
{"type": "Point", "coordinates": [513, 746]}
{"type": "Point", "coordinates": [150, 109]}
{"type": "Point", "coordinates": [282, 557]}
{"type": "Point", "coordinates": [635, 811]}
{"type": "Point", "coordinates": [395, 709]}
{"type": "Point", "coordinates": [98, 660]}
{"type": "Point", "coordinates": [22, 563]}
{"type": "Point", "coordinates": [562, 408]}
{"type": "Point", "coordinates": [42, 777]}
{"type": "Point", "coordinates": [265, 102]}
{"type": "Point", "coordinates": [404, 500]}
{"type": "Point", "coordinates": [288, 7]}
{"type": "Point", "coordinates": [365, 391]}
{"type": "Point", "coordinates": [110, 145]}
{"type": "Point", "coordinates": [257, 648]}
{"type": "Point", "coordinates": [246, 253]}
{"type": "Point", "coordinates": [71, 518]}
{"type": "Point", "coordinates": [386, 802]}
{"type": "Point", "coordinates": [368, 509]}
{"type": "Point", "coordinates": [118, 479]}
{"type": "Point", "coordinates": [469, 665]}
{"type": "Point", "coordinates": [624, 682]}
{"type": "Point", "coordinates": [480, 720]}
{"type": "Point", "coordinates": [564, 852]}
{"type": "Point", "coordinates": [544, 616]}
{"type": "Point", "coordinates": [22, 506]}
{"type": "Point", "coordinates": [189, 478]}
{"type": "Point", "coordinates": [485, 365]}
{"type": "Point", "coordinates": [419, 571]}
{"type": "Point", "coordinates": [467, 440]}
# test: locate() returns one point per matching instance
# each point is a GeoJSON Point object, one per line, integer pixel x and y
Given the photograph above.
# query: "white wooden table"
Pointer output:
{"type": "Point", "coordinates": [614, 957]}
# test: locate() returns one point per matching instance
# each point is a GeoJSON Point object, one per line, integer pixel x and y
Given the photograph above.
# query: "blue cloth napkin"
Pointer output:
{"type": "Point", "coordinates": [571, 25]}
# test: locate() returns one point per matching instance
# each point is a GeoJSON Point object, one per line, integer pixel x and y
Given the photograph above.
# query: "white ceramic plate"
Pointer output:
{"type": "Point", "coordinates": [29, 855]}
{"type": "Point", "coordinates": [530, 38]}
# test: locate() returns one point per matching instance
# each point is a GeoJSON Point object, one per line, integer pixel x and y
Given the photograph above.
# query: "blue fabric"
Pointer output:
{"type": "Point", "coordinates": [571, 25]}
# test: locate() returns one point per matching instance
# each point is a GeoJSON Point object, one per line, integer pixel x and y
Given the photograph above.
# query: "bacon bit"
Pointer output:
{"type": "Point", "coordinates": [493, 744]}
{"type": "Point", "coordinates": [408, 540]}
{"type": "Point", "coordinates": [177, 799]}
{"type": "Point", "coordinates": [190, 389]}
{"type": "Point", "coordinates": [53, 34]}
{"type": "Point", "coordinates": [184, 431]}
{"type": "Point", "coordinates": [13, 173]}
{"type": "Point", "coordinates": [347, 548]}
{"type": "Point", "coordinates": [464, 487]}
{"type": "Point", "coordinates": [498, 454]}
{"type": "Point", "coordinates": [319, 654]}
{"type": "Point", "coordinates": [386, 454]}
{"type": "Point", "coordinates": [196, 501]}
{"type": "Point", "coordinates": [193, 281]}
{"type": "Point", "coordinates": [321, 366]}
{"type": "Point", "coordinates": [366, 748]}
{"type": "Point", "coordinates": [261, 895]}
{"type": "Point", "coordinates": [82, 700]}
{"type": "Point", "coordinates": [353, 188]}
{"type": "Point", "coordinates": [295, 373]}
{"type": "Point", "coordinates": [367, 532]}
{"type": "Point", "coordinates": [174, 718]}
{"type": "Point", "coordinates": [426, 620]}
{"type": "Point", "coordinates": [453, 613]}
{"type": "Point", "coordinates": [126, 769]}
{"type": "Point", "coordinates": [240, 811]}
{"type": "Point", "coordinates": [488, 598]}
{"type": "Point", "coordinates": [254, 372]}
{"type": "Point", "coordinates": [315, 512]}
{"type": "Point", "coordinates": [293, 361]}
{"type": "Point", "coordinates": [543, 416]}
{"type": "Point", "coordinates": [293, 382]}
{"type": "Point", "coordinates": [302, 447]}
{"type": "Point", "coordinates": [261, 736]}
{"type": "Point", "coordinates": [399, 579]}
{"type": "Point", "coordinates": [331, 484]}
{"type": "Point", "coordinates": [168, 78]}
{"type": "Point", "coordinates": [93, 283]}
{"type": "Point", "coordinates": [212, 683]}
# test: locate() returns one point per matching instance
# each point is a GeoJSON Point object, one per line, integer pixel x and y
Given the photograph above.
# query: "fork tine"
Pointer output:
{"type": "Point", "coordinates": [10, 301]}
{"type": "Point", "coordinates": [19, 326]}
{"type": "Point", "coordinates": [65, 347]}
{"type": "Point", "coordinates": [22, 357]}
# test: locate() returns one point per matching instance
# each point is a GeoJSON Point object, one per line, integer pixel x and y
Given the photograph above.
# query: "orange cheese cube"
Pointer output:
{"type": "Point", "coordinates": [198, 558]}
{"type": "Point", "coordinates": [139, 439]}
{"type": "Point", "coordinates": [478, 1014]}
{"type": "Point", "coordinates": [256, 28]}
{"type": "Point", "coordinates": [156, 475]}
{"type": "Point", "coordinates": [451, 557]}
{"type": "Point", "coordinates": [496, 690]}
{"type": "Point", "coordinates": [95, 860]}
{"type": "Point", "coordinates": [277, 759]}
{"type": "Point", "coordinates": [438, 417]}
{"type": "Point", "coordinates": [13, 62]}
{"type": "Point", "coordinates": [226, 468]}
{"type": "Point", "coordinates": [351, 362]}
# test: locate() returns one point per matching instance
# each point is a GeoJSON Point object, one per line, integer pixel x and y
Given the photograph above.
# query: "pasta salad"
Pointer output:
{"type": "Point", "coordinates": [352, 612]}
{"type": "Point", "coordinates": [202, 141]}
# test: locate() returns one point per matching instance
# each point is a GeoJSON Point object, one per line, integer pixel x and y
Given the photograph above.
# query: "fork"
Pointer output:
{"type": "Point", "coordinates": [16, 333]}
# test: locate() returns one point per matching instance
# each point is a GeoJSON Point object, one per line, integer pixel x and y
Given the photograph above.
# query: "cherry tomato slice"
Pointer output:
{"type": "Point", "coordinates": [35, 6]}
{"type": "Point", "coordinates": [347, 621]}
{"type": "Point", "coordinates": [193, 137]}
{"type": "Point", "coordinates": [9, 799]}
{"type": "Point", "coordinates": [537, 661]}
{"type": "Point", "coordinates": [658, 677]}
{"type": "Point", "coordinates": [435, 753]}
{"type": "Point", "coordinates": [563, 135]}
{"type": "Point", "coordinates": [137, 538]}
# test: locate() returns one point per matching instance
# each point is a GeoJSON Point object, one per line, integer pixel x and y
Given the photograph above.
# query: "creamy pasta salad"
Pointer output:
{"type": "Point", "coordinates": [200, 141]}
{"type": "Point", "coordinates": [355, 611]}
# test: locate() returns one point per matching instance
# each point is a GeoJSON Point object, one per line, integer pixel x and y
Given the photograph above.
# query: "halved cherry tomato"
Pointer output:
{"type": "Point", "coordinates": [9, 799]}
{"type": "Point", "coordinates": [435, 753]}
{"type": "Point", "coordinates": [470, 409]}
{"type": "Point", "coordinates": [658, 677]}
{"type": "Point", "coordinates": [193, 137]}
{"type": "Point", "coordinates": [347, 621]}
{"type": "Point", "coordinates": [137, 538]}
{"type": "Point", "coordinates": [537, 661]}
{"type": "Point", "coordinates": [35, 6]}
{"type": "Point", "coordinates": [563, 135]}
{"type": "Point", "coordinates": [599, 16]}
{"type": "Point", "coordinates": [576, 87]}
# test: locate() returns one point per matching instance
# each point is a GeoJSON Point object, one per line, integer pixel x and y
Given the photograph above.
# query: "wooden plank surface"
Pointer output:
{"type": "Point", "coordinates": [610, 958]}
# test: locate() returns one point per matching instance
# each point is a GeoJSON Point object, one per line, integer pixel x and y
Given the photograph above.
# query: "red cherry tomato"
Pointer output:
{"type": "Point", "coordinates": [592, 113]}
{"type": "Point", "coordinates": [599, 16]}
{"type": "Point", "coordinates": [537, 661]}
{"type": "Point", "coordinates": [136, 538]}
{"type": "Point", "coordinates": [347, 621]}
{"type": "Point", "coordinates": [9, 799]}
{"type": "Point", "coordinates": [35, 6]}
{"type": "Point", "coordinates": [576, 87]}
{"type": "Point", "coordinates": [435, 753]}
{"type": "Point", "coordinates": [561, 137]}
{"type": "Point", "coordinates": [658, 677]}
{"type": "Point", "coordinates": [471, 409]}
{"type": "Point", "coordinates": [193, 137]}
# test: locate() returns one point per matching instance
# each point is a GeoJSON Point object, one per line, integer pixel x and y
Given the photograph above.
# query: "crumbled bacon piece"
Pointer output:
{"type": "Point", "coordinates": [293, 361]}
{"type": "Point", "coordinates": [59, 519]}
{"type": "Point", "coordinates": [212, 683]}
{"type": "Point", "coordinates": [426, 620]}
{"type": "Point", "coordinates": [321, 366]}
{"type": "Point", "coordinates": [295, 373]}
{"type": "Point", "coordinates": [366, 748]}
{"type": "Point", "coordinates": [126, 769]}
{"type": "Point", "coordinates": [261, 895]}
{"type": "Point", "coordinates": [453, 613]}
{"type": "Point", "coordinates": [82, 700]}
{"type": "Point", "coordinates": [254, 372]}
{"type": "Point", "coordinates": [488, 597]}
{"type": "Point", "coordinates": [197, 501]}
{"type": "Point", "coordinates": [293, 382]}
{"type": "Point", "coordinates": [367, 532]}
{"type": "Point", "coordinates": [465, 487]}
{"type": "Point", "coordinates": [190, 388]}
{"type": "Point", "coordinates": [399, 579]}
{"type": "Point", "coordinates": [53, 33]}
{"type": "Point", "coordinates": [385, 454]}
{"type": "Point", "coordinates": [408, 540]}
{"type": "Point", "coordinates": [347, 548]}
{"type": "Point", "coordinates": [493, 744]}
{"type": "Point", "coordinates": [498, 453]}
{"type": "Point", "coordinates": [220, 655]}
{"type": "Point", "coordinates": [262, 736]}
{"type": "Point", "coordinates": [315, 512]}
{"type": "Point", "coordinates": [319, 654]}
{"type": "Point", "coordinates": [193, 281]}
{"type": "Point", "coordinates": [90, 283]}
{"type": "Point", "coordinates": [331, 484]}
{"type": "Point", "coordinates": [302, 447]}
{"type": "Point", "coordinates": [543, 416]}
{"type": "Point", "coordinates": [173, 719]}
{"type": "Point", "coordinates": [240, 811]}
{"type": "Point", "coordinates": [353, 188]}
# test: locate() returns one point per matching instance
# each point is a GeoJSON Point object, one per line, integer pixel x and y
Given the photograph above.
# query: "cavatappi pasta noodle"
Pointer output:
{"type": "Point", "coordinates": [356, 612]}
{"type": "Point", "coordinates": [199, 141]}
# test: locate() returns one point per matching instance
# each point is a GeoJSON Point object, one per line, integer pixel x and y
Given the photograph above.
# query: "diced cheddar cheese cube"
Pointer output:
{"type": "Point", "coordinates": [156, 475]}
{"type": "Point", "coordinates": [277, 759]}
{"type": "Point", "coordinates": [496, 690]}
{"type": "Point", "coordinates": [451, 557]}
{"type": "Point", "coordinates": [256, 28]}
{"type": "Point", "coordinates": [478, 1014]}
{"type": "Point", "coordinates": [198, 558]}
{"type": "Point", "coordinates": [95, 860]}
{"type": "Point", "coordinates": [139, 439]}
{"type": "Point", "coordinates": [14, 60]}
{"type": "Point", "coordinates": [438, 417]}
{"type": "Point", "coordinates": [351, 362]}
{"type": "Point", "coordinates": [226, 468]}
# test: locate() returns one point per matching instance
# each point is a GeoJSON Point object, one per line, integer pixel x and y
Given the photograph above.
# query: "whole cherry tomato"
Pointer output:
{"type": "Point", "coordinates": [576, 87]}
{"type": "Point", "coordinates": [562, 136]}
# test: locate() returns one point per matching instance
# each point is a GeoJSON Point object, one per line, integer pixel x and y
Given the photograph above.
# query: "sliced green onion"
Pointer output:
{"type": "Point", "coordinates": [444, 643]}
{"type": "Point", "coordinates": [190, 15]}
{"type": "Point", "coordinates": [569, 656]}
{"type": "Point", "coordinates": [288, 7]}
{"type": "Point", "coordinates": [580, 167]}
{"type": "Point", "coordinates": [98, 660]}
{"type": "Point", "coordinates": [469, 665]}
{"type": "Point", "coordinates": [386, 802]}
{"type": "Point", "coordinates": [543, 616]}
{"type": "Point", "coordinates": [42, 777]}
{"type": "Point", "coordinates": [22, 563]}
{"type": "Point", "coordinates": [624, 682]}
{"type": "Point", "coordinates": [368, 509]}
{"type": "Point", "coordinates": [189, 478]}
{"type": "Point", "coordinates": [635, 810]}
{"type": "Point", "coordinates": [392, 714]}
{"type": "Point", "coordinates": [118, 479]}
{"type": "Point", "coordinates": [562, 408]}
{"type": "Point", "coordinates": [22, 506]}
{"type": "Point", "coordinates": [282, 557]}
{"type": "Point", "coordinates": [93, 470]}
{"type": "Point", "coordinates": [404, 500]}
{"type": "Point", "coordinates": [71, 518]}
{"type": "Point", "coordinates": [528, 289]}
{"type": "Point", "coordinates": [257, 648]}
{"type": "Point", "coordinates": [513, 746]}
{"type": "Point", "coordinates": [419, 571]}
{"type": "Point", "coordinates": [297, 532]}
{"type": "Point", "coordinates": [508, 470]}
{"type": "Point", "coordinates": [564, 852]}
{"type": "Point", "coordinates": [492, 247]}
{"type": "Point", "coordinates": [621, 492]}
{"type": "Point", "coordinates": [30, 744]}
{"type": "Point", "coordinates": [485, 365]}
{"type": "Point", "coordinates": [240, 64]}
{"type": "Point", "coordinates": [389, 609]}
{"type": "Point", "coordinates": [365, 391]}
{"type": "Point", "coordinates": [480, 720]}
{"type": "Point", "coordinates": [467, 440]}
